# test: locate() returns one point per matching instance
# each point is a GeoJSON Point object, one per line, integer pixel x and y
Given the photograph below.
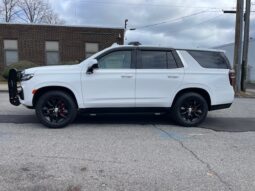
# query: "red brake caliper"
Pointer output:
{"type": "Point", "coordinates": [62, 109]}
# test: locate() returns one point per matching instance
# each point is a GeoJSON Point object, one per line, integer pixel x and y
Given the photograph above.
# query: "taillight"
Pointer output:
{"type": "Point", "coordinates": [232, 77]}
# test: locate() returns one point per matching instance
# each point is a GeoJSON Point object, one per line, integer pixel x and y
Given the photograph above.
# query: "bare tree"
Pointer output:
{"type": "Point", "coordinates": [37, 11]}
{"type": "Point", "coordinates": [1, 11]}
{"type": "Point", "coordinates": [33, 11]}
{"type": "Point", "coordinates": [8, 10]}
{"type": "Point", "coordinates": [53, 18]}
{"type": "Point", "coordinates": [29, 11]}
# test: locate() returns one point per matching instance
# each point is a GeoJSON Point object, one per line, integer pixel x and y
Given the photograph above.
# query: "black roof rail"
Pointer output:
{"type": "Point", "coordinates": [136, 43]}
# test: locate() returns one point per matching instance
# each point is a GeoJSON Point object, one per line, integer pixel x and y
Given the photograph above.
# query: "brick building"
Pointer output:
{"type": "Point", "coordinates": [51, 44]}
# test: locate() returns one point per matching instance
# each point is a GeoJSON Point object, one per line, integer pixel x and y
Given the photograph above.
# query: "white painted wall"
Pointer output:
{"type": "Point", "coordinates": [229, 48]}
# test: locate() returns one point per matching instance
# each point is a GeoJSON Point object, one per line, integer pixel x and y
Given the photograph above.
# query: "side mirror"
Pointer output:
{"type": "Point", "coordinates": [93, 64]}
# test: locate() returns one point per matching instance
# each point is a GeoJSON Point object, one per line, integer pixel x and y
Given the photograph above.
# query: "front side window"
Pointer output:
{"type": "Point", "coordinates": [116, 60]}
{"type": "Point", "coordinates": [153, 60]}
{"type": "Point", "coordinates": [11, 52]}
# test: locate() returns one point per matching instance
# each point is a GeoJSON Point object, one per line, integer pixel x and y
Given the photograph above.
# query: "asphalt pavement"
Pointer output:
{"type": "Point", "coordinates": [128, 152]}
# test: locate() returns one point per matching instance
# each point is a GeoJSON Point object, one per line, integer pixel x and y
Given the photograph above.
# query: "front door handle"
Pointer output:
{"type": "Point", "coordinates": [126, 76]}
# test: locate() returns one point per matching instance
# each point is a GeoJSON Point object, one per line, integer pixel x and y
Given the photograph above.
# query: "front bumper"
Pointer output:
{"type": "Point", "coordinates": [15, 90]}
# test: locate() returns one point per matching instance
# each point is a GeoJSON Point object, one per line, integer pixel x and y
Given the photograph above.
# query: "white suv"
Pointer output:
{"type": "Point", "coordinates": [185, 83]}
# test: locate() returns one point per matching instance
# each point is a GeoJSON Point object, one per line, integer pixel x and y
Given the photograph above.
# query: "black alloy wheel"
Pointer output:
{"type": "Point", "coordinates": [190, 110]}
{"type": "Point", "coordinates": [56, 109]}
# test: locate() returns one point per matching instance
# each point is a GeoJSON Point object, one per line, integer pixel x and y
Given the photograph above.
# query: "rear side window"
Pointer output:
{"type": "Point", "coordinates": [150, 59]}
{"type": "Point", "coordinates": [153, 60]}
{"type": "Point", "coordinates": [171, 61]}
{"type": "Point", "coordinates": [210, 59]}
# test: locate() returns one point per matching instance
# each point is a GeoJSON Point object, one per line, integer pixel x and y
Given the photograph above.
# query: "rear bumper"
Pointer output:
{"type": "Point", "coordinates": [222, 106]}
{"type": "Point", "coordinates": [15, 91]}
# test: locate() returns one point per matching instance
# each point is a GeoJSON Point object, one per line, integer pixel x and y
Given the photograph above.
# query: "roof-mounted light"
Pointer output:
{"type": "Point", "coordinates": [135, 43]}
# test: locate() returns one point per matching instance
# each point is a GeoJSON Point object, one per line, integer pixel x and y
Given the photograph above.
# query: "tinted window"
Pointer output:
{"type": "Point", "coordinates": [116, 60]}
{"type": "Point", "coordinates": [153, 60]}
{"type": "Point", "coordinates": [210, 59]}
{"type": "Point", "coordinates": [171, 61]}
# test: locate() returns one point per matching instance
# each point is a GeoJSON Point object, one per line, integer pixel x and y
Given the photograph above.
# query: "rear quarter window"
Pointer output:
{"type": "Point", "coordinates": [214, 60]}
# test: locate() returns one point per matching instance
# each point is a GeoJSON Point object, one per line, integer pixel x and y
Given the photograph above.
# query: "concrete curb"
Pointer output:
{"type": "Point", "coordinates": [245, 96]}
{"type": "Point", "coordinates": [249, 94]}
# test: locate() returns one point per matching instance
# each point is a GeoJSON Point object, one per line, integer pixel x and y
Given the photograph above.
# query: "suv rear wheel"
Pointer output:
{"type": "Point", "coordinates": [190, 110]}
{"type": "Point", "coordinates": [56, 109]}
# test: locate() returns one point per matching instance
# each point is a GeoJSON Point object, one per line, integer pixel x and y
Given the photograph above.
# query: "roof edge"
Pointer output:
{"type": "Point", "coordinates": [168, 47]}
{"type": "Point", "coordinates": [59, 25]}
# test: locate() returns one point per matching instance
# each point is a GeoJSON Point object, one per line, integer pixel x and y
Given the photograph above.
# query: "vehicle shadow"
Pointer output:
{"type": "Point", "coordinates": [215, 124]}
{"type": "Point", "coordinates": [123, 119]}
{"type": "Point", "coordinates": [229, 124]}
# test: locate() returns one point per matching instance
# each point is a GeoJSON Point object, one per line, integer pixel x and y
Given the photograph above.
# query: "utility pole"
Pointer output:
{"type": "Point", "coordinates": [125, 30]}
{"type": "Point", "coordinates": [246, 45]}
{"type": "Point", "coordinates": [238, 43]}
{"type": "Point", "coordinates": [126, 21]}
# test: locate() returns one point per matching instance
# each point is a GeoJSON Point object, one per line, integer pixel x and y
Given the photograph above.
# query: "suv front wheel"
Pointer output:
{"type": "Point", "coordinates": [190, 110]}
{"type": "Point", "coordinates": [56, 109]}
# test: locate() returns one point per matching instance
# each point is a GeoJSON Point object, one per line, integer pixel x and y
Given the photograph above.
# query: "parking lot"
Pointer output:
{"type": "Point", "coordinates": [128, 152]}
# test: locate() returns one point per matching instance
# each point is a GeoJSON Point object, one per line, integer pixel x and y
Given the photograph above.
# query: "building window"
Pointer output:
{"type": "Point", "coordinates": [10, 52]}
{"type": "Point", "coordinates": [91, 48]}
{"type": "Point", "coordinates": [52, 52]}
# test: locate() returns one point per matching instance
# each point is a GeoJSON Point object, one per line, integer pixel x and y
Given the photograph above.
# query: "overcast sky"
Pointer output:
{"type": "Point", "coordinates": [178, 23]}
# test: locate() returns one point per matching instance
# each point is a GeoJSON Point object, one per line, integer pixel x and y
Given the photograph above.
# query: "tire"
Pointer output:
{"type": "Point", "coordinates": [190, 110]}
{"type": "Point", "coordinates": [56, 109]}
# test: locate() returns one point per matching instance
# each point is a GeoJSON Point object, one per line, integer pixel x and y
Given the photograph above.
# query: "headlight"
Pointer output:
{"type": "Point", "coordinates": [26, 77]}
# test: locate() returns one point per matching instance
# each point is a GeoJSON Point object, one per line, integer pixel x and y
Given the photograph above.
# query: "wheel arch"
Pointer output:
{"type": "Point", "coordinates": [199, 91]}
{"type": "Point", "coordinates": [45, 89]}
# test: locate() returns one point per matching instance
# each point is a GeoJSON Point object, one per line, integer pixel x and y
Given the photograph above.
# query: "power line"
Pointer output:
{"type": "Point", "coordinates": [201, 23]}
{"type": "Point", "coordinates": [172, 20]}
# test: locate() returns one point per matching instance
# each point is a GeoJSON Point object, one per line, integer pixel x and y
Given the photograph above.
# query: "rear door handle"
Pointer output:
{"type": "Point", "coordinates": [173, 77]}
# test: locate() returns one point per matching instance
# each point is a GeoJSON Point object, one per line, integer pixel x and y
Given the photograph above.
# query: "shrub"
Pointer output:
{"type": "Point", "coordinates": [22, 65]}
{"type": "Point", "coordinates": [70, 62]}
{"type": "Point", "coordinates": [2, 79]}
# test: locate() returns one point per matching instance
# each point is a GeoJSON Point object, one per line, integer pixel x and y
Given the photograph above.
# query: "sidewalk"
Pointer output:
{"type": "Point", "coordinates": [250, 91]}
{"type": "Point", "coordinates": [3, 87]}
